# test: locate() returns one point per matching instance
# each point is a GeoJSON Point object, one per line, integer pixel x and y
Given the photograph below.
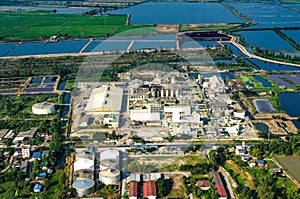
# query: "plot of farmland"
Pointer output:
{"type": "Point", "coordinates": [33, 26]}
{"type": "Point", "coordinates": [291, 165]}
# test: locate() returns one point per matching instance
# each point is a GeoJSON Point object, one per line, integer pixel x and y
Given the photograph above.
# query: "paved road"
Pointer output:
{"type": "Point", "coordinates": [244, 51]}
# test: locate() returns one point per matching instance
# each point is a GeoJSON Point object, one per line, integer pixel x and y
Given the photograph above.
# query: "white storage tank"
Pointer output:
{"type": "Point", "coordinates": [109, 154]}
{"type": "Point", "coordinates": [109, 176]}
{"type": "Point", "coordinates": [43, 108]}
{"type": "Point", "coordinates": [88, 155]}
{"type": "Point", "coordinates": [109, 163]}
{"type": "Point", "coordinates": [84, 164]}
{"type": "Point", "coordinates": [83, 187]}
{"type": "Point", "coordinates": [83, 174]}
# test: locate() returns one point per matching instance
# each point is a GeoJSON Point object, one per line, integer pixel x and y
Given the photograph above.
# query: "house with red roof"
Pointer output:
{"type": "Point", "coordinates": [218, 184]}
{"type": "Point", "coordinates": [149, 189]}
{"type": "Point", "coordinates": [133, 190]}
{"type": "Point", "coordinates": [203, 184]}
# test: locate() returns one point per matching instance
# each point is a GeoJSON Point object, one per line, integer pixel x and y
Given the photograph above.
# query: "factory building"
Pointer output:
{"type": "Point", "coordinates": [43, 108]}
{"type": "Point", "coordinates": [147, 113]}
{"type": "Point", "coordinates": [176, 113]}
{"type": "Point", "coordinates": [105, 100]}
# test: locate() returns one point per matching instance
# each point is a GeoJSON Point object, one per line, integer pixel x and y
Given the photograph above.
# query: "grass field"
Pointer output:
{"type": "Point", "coordinates": [185, 27]}
{"type": "Point", "coordinates": [291, 165]}
{"type": "Point", "coordinates": [242, 176]}
{"type": "Point", "coordinates": [21, 26]}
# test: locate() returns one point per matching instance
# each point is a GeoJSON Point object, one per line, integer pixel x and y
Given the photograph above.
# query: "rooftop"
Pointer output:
{"type": "Point", "coordinates": [218, 184]}
{"type": "Point", "coordinates": [36, 154]}
{"type": "Point", "coordinates": [203, 183]}
{"type": "Point", "coordinates": [37, 188]}
{"type": "Point", "coordinates": [149, 188]}
{"type": "Point", "coordinates": [105, 99]}
{"type": "Point", "coordinates": [30, 133]}
{"type": "Point", "coordinates": [133, 189]}
{"type": "Point", "coordinates": [3, 132]}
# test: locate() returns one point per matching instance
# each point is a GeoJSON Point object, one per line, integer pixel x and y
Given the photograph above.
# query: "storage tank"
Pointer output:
{"type": "Point", "coordinates": [110, 154]}
{"type": "Point", "coordinates": [84, 164]}
{"type": "Point", "coordinates": [43, 108]}
{"type": "Point", "coordinates": [88, 155]}
{"type": "Point", "coordinates": [109, 163]}
{"type": "Point", "coordinates": [109, 176]}
{"type": "Point", "coordinates": [83, 174]}
{"type": "Point", "coordinates": [83, 187]}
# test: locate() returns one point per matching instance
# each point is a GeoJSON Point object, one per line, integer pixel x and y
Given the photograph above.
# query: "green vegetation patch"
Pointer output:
{"type": "Point", "coordinates": [19, 26]}
{"type": "Point", "coordinates": [132, 30]}
{"type": "Point", "coordinates": [20, 106]}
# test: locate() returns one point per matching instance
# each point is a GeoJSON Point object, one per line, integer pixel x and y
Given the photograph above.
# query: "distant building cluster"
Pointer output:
{"type": "Point", "coordinates": [25, 154]}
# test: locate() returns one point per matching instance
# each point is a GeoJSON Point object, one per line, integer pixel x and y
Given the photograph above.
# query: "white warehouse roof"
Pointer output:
{"type": "Point", "coordinates": [105, 99]}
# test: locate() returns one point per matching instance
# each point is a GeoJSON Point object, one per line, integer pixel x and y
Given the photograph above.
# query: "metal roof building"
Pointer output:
{"type": "Point", "coordinates": [105, 99]}
{"type": "Point", "coordinates": [149, 189]}
{"type": "Point", "coordinates": [133, 190]}
{"type": "Point", "coordinates": [218, 184]}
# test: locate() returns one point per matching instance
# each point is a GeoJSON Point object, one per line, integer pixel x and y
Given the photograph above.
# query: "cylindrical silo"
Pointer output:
{"type": "Point", "coordinates": [109, 176]}
{"type": "Point", "coordinates": [83, 187]}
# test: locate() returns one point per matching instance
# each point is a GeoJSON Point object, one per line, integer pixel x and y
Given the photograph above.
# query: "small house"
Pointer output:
{"type": "Point", "coordinates": [36, 155]}
{"type": "Point", "coordinates": [37, 188]}
{"type": "Point", "coordinates": [276, 171]}
{"type": "Point", "coordinates": [261, 163]}
{"type": "Point", "coordinates": [40, 180]}
{"type": "Point", "coordinates": [246, 158]}
{"type": "Point", "coordinates": [203, 184]}
{"type": "Point", "coordinates": [252, 164]}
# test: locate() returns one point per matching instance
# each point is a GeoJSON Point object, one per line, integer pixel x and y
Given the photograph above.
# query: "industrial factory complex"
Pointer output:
{"type": "Point", "coordinates": [151, 106]}
{"type": "Point", "coordinates": [158, 105]}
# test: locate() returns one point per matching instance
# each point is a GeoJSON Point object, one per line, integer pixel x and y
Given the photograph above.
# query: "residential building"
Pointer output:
{"type": "Point", "coordinates": [37, 188]}
{"type": "Point", "coordinates": [26, 151]}
{"type": "Point", "coordinates": [203, 184]}
{"type": "Point", "coordinates": [218, 184]}
{"type": "Point", "coordinates": [25, 136]}
{"type": "Point", "coordinates": [149, 189]}
{"type": "Point", "coordinates": [133, 190]}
